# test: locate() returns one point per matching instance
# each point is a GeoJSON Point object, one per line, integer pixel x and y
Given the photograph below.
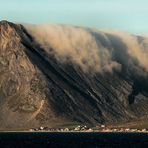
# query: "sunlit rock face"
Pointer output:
{"type": "Point", "coordinates": [23, 87]}
{"type": "Point", "coordinates": [53, 74]}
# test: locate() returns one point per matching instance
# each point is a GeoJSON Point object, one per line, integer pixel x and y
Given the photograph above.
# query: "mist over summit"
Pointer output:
{"type": "Point", "coordinates": [51, 74]}
{"type": "Point", "coordinates": [92, 48]}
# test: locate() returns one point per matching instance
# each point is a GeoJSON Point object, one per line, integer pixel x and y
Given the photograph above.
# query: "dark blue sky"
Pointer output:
{"type": "Point", "coordinates": [128, 15]}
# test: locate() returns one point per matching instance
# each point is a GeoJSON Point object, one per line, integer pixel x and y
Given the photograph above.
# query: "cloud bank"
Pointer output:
{"type": "Point", "coordinates": [92, 49]}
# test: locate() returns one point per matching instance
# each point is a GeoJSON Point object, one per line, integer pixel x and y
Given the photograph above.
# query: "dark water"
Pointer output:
{"type": "Point", "coordinates": [69, 140]}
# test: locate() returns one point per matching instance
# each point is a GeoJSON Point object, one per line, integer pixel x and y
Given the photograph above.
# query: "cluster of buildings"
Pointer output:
{"type": "Point", "coordinates": [84, 128]}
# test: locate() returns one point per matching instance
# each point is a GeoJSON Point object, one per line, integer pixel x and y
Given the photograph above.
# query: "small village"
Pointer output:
{"type": "Point", "coordinates": [84, 128]}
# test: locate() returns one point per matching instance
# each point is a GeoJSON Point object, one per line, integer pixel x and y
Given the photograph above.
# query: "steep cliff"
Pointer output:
{"type": "Point", "coordinates": [37, 88]}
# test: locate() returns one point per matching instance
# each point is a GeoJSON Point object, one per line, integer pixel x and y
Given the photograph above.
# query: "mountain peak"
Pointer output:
{"type": "Point", "coordinates": [7, 24]}
{"type": "Point", "coordinates": [4, 22]}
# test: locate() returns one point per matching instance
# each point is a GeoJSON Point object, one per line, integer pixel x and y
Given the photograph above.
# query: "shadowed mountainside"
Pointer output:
{"type": "Point", "coordinates": [37, 88]}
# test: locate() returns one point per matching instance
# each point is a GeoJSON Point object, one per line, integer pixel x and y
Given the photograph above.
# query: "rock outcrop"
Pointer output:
{"type": "Point", "coordinates": [37, 89]}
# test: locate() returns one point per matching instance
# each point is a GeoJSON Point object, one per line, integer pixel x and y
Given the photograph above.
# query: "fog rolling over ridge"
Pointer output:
{"type": "Point", "coordinates": [51, 74]}
{"type": "Point", "coordinates": [100, 50]}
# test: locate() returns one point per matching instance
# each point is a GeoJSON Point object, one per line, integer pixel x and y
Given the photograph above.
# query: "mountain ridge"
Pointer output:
{"type": "Point", "coordinates": [37, 89]}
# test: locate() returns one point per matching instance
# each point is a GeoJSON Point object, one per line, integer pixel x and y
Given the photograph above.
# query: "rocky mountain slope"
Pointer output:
{"type": "Point", "coordinates": [37, 88]}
